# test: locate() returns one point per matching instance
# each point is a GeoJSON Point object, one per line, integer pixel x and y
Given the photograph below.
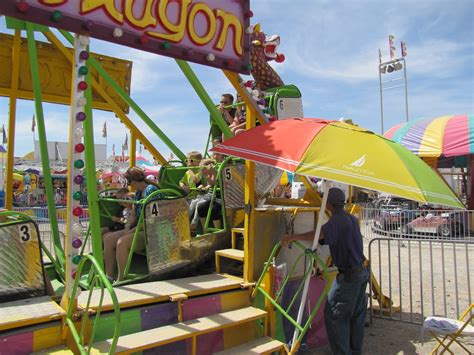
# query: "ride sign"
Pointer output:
{"type": "Point", "coordinates": [209, 32]}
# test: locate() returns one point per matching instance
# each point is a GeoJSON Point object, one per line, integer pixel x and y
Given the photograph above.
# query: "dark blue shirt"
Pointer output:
{"type": "Point", "coordinates": [342, 234]}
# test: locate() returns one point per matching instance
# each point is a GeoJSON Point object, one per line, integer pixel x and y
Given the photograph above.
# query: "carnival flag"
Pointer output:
{"type": "Point", "coordinates": [380, 56]}
{"type": "Point", "coordinates": [392, 47]}
{"type": "Point", "coordinates": [104, 130]}
{"type": "Point", "coordinates": [33, 124]}
{"type": "Point", "coordinates": [5, 140]}
{"type": "Point", "coordinates": [125, 144]}
{"type": "Point", "coordinates": [113, 150]}
{"type": "Point", "coordinates": [404, 49]}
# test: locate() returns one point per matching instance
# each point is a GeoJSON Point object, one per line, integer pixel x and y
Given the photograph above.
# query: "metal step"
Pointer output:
{"type": "Point", "coordinates": [235, 254]}
{"type": "Point", "coordinates": [265, 345]}
{"type": "Point", "coordinates": [160, 291]}
{"type": "Point", "coordinates": [171, 333]}
{"type": "Point", "coordinates": [29, 311]}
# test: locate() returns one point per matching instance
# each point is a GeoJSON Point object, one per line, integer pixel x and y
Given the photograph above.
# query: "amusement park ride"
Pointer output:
{"type": "Point", "coordinates": [171, 299]}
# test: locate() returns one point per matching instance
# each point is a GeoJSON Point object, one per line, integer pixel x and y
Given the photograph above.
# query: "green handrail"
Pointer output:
{"type": "Point", "coordinates": [99, 280]}
{"type": "Point", "coordinates": [140, 223]}
{"type": "Point", "coordinates": [48, 182]}
{"type": "Point", "coordinates": [307, 273]}
{"type": "Point", "coordinates": [14, 214]}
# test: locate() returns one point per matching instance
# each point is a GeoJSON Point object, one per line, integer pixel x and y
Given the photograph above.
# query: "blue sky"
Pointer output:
{"type": "Point", "coordinates": [331, 50]}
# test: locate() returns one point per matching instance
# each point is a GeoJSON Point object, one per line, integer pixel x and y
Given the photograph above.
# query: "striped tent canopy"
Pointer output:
{"type": "Point", "coordinates": [440, 137]}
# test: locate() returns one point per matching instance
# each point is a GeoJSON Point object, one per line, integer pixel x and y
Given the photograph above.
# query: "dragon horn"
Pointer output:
{"type": "Point", "coordinates": [256, 28]}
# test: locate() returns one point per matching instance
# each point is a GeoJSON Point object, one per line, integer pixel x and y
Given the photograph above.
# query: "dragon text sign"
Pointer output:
{"type": "Point", "coordinates": [209, 32]}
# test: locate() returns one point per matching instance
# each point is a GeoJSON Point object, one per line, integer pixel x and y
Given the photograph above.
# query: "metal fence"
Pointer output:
{"type": "Point", "coordinates": [38, 197]}
{"type": "Point", "coordinates": [422, 277]}
{"type": "Point", "coordinates": [40, 215]}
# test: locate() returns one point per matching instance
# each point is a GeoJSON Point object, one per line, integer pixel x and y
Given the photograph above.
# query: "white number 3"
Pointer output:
{"type": "Point", "coordinates": [24, 231]}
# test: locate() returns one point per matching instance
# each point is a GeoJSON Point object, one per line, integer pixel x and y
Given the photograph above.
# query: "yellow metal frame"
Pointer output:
{"type": "Point", "coordinates": [53, 68]}
{"type": "Point", "coordinates": [112, 104]}
{"type": "Point", "coordinates": [133, 150]}
{"type": "Point", "coordinates": [12, 119]}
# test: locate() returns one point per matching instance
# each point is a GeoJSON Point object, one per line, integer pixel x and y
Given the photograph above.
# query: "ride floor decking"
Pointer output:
{"type": "Point", "coordinates": [158, 291]}
{"type": "Point", "coordinates": [29, 311]}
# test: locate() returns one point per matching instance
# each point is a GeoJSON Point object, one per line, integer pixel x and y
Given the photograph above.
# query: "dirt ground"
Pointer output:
{"type": "Point", "coordinates": [425, 279]}
{"type": "Point", "coordinates": [393, 337]}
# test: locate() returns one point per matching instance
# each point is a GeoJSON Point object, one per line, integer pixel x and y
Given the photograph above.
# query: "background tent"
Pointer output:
{"type": "Point", "coordinates": [443, 142]}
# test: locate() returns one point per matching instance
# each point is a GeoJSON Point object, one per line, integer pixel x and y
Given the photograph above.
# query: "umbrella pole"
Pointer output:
{"type": "Point", "coordinates": [322, 211]}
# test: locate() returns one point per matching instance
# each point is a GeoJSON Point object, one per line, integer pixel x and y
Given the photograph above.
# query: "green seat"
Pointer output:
{"type": "Point", "coordinates": [107, 208]}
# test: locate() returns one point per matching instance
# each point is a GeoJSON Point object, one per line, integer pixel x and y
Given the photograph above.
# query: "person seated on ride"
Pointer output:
{"type": "Point", "coordinates": [203, 192]}
{"type": "Point", "coordinates": [192, 176]}
{"type": "Point", "coordinates": [216, 211]}
{"type": "Point", "coordinates": [218, 158]}
{"type": "Point", "coordinates": [238, 124]}
{"type": "Point", "coordinates": [227, 112]}
{"type": "Point", "coordinates": [117, 245]}
{"type": "Point", "coordinates": [123, 215]}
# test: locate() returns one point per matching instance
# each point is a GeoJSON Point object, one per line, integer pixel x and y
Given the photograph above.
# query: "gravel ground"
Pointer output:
{"type": "Point", "coordinates": [393, 337]}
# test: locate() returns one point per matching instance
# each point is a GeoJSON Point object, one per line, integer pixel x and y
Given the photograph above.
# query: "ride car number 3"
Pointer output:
{"type": "Point", "coordinates": [24, 232]}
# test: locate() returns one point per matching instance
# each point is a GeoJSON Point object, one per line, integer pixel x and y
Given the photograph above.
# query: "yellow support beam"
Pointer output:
{"type": "Point", "coordinates": [249, 222]}
{"type": "Point", "coordinates": [311, 194]}
{"type": "Point", "coordinates": [133, 150]}
{"type": "Point", "coordinates": [11, 121]}
{"type": "Point", "coordinates": [111, 103]}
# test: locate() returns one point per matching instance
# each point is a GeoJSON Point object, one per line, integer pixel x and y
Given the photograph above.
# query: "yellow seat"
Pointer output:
{"type": "Point", "coordinates": [448, 331]}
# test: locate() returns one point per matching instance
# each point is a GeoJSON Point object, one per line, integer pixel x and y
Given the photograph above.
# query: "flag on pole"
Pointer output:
{"type": "Point", "coordinates": [125, 144]}
{"type": "Point", "coordinates": [404, 49]}
{"type": "Point", "coordinates": [392, 47]}
{"type": "Point", "coordinates": [104, 130]}
{"type": "Point", "coordinates": [33, 124]}
{"type": "Point", "coordinates": [5, 140]}
{"type": "Point", "coordinates": [113, 150]}
{"type": "Point", "coordinates": [380, 56]}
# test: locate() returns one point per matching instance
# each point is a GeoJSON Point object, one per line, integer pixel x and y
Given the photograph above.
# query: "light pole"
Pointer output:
{"type": "Point", "coordinates": [393, 65]}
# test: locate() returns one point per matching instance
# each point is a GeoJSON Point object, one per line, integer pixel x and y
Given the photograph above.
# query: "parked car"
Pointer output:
{"type": "Point", "coordinates": [395, 213]}
{"type": "Point", "coordinates": [446, 224]}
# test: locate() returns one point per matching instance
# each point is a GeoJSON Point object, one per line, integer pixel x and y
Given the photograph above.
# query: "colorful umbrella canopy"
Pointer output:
{"type": "Point", "coordinates": [446, 136]}
{"type": "Point", "coordinates": [344, 153]}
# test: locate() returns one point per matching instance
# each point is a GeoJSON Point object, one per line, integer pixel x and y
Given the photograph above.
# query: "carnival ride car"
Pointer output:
{"type": "Point", "coordinates": [444, 224]}
{"type": "Point", "coordinates": [67, 304]}
{"type": "Point", "coordinates": [95, 315]}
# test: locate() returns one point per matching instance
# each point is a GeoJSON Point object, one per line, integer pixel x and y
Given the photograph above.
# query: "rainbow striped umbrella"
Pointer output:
{"type": "Point", "coordinates": [446, 136]}
{"type": "Point", "coordinates": [341, 152]}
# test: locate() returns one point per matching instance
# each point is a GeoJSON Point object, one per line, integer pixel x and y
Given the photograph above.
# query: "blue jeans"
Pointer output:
{"type": "Point", "coordinates": [345, 311]}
